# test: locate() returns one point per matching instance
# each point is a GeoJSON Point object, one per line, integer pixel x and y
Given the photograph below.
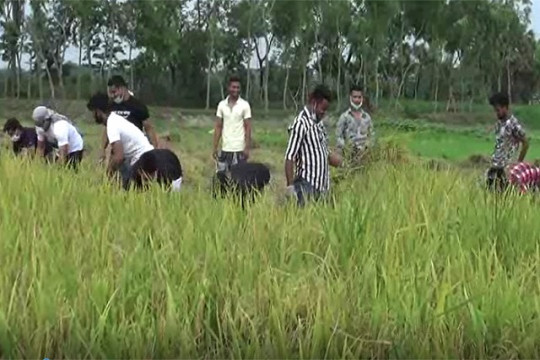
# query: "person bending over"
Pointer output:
{"type": "Point", "coordinates": [160, 165]}
{"type": "Point", "coordinates": [57, 128]}
{"type": "Point", "coordinates": [24, 139]}
{"type": "Point", "coordinates": [128, 142]}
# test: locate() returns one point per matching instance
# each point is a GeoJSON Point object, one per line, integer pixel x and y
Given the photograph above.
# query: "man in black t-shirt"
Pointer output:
{"type": "Point", "coordinates": [126, 105]}
{"type": "Point", "coordinates": [24, 138]}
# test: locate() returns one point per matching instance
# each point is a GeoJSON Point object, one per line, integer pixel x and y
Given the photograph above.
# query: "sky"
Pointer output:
{"type": "Point", "coordinates": [72, 53]}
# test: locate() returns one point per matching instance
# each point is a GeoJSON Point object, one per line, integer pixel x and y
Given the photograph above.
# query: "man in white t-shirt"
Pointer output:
{"type": "Point", "coordinates": [128, 143]}
{"type": "Point", "coordinates": [56, 128]}
{"type": "Point", "coordinates": [233, 128]}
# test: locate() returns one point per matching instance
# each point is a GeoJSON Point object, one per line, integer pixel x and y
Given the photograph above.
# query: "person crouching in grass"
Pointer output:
{"type": "Point", "coordinates": [129, 145]}
{"type": "Point", "coordinates": [525, 177]}
{"type": "Point", "coordinates": [24, 139]}
{"type": "Point", "coordinates": [160, 165]}
{"type": "Point", "coordinates": [509, 135]}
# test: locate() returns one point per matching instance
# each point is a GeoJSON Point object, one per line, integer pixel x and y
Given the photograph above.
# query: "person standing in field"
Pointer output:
{"type": "Point", "coordinates": [509, 135]}
{"type": "Point", "coordinates": [56, 128]}
{"type": "Point", "coordinates": [24, 139]}
{"type": "Point", "coordinates": [129, 145]}
{"type": "Point", "coordinates": [307, 157]}
{"type": "Point", "coordinates": [233, 128]}
{"type": "Point", "coordinates": [355, 128]}
{"type": "Point", "coordinates": [129, 107]}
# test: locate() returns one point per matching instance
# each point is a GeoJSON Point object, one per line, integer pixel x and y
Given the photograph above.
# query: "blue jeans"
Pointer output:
{"type": "Point", "coordinates": [306, 192]}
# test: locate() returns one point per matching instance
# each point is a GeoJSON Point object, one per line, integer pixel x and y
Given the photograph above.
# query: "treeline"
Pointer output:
{"type": "Point", "coordinates": [437, 50]}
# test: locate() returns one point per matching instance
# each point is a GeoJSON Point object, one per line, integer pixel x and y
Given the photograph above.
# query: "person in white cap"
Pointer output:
{"type": "Point", "coordinates": [57, 128]}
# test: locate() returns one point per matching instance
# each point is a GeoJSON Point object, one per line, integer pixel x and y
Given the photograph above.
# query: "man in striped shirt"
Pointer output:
{"type": "Point", "coordinates": [307, 156]}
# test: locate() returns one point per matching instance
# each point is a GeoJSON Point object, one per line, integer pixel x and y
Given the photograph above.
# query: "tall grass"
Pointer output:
{"type": "Point", "coordinates": [400, 262]}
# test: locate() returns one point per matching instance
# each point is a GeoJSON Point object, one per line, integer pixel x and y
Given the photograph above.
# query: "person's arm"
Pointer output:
{"type": "Point", "coordinates": [117, 150]}
{"type": "Point", "coordinates": [148, 126]}
{"type": "Point", "coordinates": [218, 129]}
{"type": "Point", "coordinates": [151, 131]}
{"type": "Point", "coordinates": [40, 149]}
{"type": "Point", "coordinates": [63, 153]}
{"type": "Point", "coordinates": [247, 131]}
{"type": "Point", "coordinates": [61, 133]}
{"type": "Point", "coordinates": [117, 157]}
{"type": "Point", "coordinates": [524, 149]}
{"type": "Point", "coordinates": [296, 137]}
{"type": "Point", "coordinates": [104, 144]}
{"type": "Point", "coordinates": [340, 131]}
{"type": "Point", "coordinates": [520, 134]}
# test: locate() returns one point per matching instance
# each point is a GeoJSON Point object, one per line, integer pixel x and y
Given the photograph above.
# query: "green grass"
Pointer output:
{"type": "Point", "coordinates": [401, 262]}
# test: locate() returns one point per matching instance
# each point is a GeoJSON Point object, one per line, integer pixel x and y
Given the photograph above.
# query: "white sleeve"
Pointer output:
{"type": "Point", "coordinates": [247, 111]}
{"type": "Point", "coordinates": [219, 112]}
{"type": "Point", "coordinates": [113, 132]}
{"type": "Point", "coordinates": [40, 134]}
{"type": "Point", "coordinates": [61, 133]}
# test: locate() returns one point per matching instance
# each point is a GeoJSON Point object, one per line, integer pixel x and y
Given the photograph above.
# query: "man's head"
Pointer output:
{"type": "Point", "coordinates": [319, 100]}
{"type": "Point", "coordinates": [234, 87]}
{"type": "Point", "coordinates": [13, 129]}
{"type": "Point", "coordinates": [117, 89]}
{"type": "Point", "coordinates": [356, 97]}
{"type": "Point", "coordinates": [99, 105]}
{"type": "Point", "coordinates": [42, 117]}
{"type": "Point", "coordinates": [500, 104]}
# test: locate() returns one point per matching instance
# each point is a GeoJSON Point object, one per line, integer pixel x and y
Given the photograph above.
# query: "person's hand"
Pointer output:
{"type": "Point", "coordinates": [246, 153]}
{"type": "Point", "coordinates": [215, 155]}
{"type": "Point", "coordinates": [290, 191]}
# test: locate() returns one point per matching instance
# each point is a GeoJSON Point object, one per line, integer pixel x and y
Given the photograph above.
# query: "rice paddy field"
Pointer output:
{"type": "Point", "coordinates": [403, 260]}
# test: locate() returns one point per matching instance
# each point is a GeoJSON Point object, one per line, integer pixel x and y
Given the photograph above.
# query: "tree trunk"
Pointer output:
{"type": "Point", "coordinates": [111, 45]}
{"type": "Point", "coordinates": [79, 71]}
{"type": "Point", "coordinates": [39, 75]}
{"type": "Point", "coordinates": [285, 87]}
{"type": "Point", "coordinates": [377, 90]}
{"type": "Point", "coordinates": [509, 80]}
{"type": "Point", "coordinates": [338, 82]}
{"type": "Point", "coordinates": [51, 82]}
{"type": "Point", "coordinates": [131, 72]}
{"type": "Point", "coordinates": [209, 74]}
{"type": "Point", "coordinates": [267, 72]}
{"type": "Point", "coordinates": [18, 74]}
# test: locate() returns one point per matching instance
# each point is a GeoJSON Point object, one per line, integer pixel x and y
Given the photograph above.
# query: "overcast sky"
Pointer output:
{"type": "Point", "coordinates": [72, 53]}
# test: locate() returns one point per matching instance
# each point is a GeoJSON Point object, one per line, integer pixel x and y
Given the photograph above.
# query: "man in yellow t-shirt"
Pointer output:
{"type": "Point", "coordinates": [233, 128]}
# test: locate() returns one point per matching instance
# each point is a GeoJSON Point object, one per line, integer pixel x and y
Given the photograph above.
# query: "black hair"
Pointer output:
{"type": "Point", "coordinates": [12, 124]}
{"type": "Point", "coordinates": [499, 99]}
{"type": "Point", "coordinates": [356, 87]}
{"type": "Point", "coordinates": [234, 78]}
{"type": "Point", "coordinates": [117, 80]}
{"type": "Point", "coordinates": [321, 92]}
{"type": "Point", "coordinates": [99, 101]}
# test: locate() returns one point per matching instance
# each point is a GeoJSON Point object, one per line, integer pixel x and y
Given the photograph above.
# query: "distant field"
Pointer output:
{"type": "Point", "coordinates": [403, 261]}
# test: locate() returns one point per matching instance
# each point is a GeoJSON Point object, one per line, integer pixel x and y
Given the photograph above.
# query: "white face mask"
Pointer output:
{"type": "Point", "coordinates": [118, 99]}
{"type": "Point", "coordinates": [356, 107]}
{"type": "Point", "coordinates": [15, 137]}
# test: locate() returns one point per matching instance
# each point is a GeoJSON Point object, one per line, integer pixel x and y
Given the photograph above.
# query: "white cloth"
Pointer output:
{"type": "Point", "coordinates": [177, 184]}
{"type": "Point", "coordinates": [233, 135]}
{"type": "Point", "coordinates": [63, 133]}
{"type": "Point", "coordinates": [133, 140]}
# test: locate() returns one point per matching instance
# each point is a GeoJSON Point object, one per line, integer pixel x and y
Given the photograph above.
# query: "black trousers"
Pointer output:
{"type": "Point", "coordinates": [74, 159]}
{"type": "Point", "coordinates": [496, 179]}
